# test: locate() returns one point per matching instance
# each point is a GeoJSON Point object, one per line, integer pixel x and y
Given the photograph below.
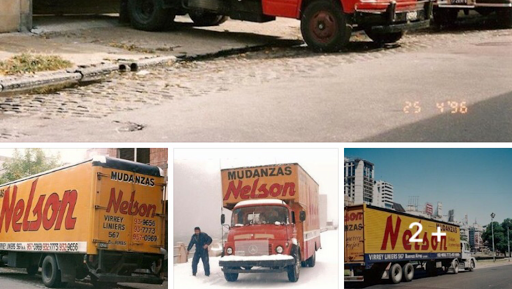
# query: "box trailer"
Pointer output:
{"type": "Point", "coordinates": [102, 218]}
{"type": "Point", "coordinates": [275, 225]}
{"type": "Point", "coordinates": [379, 243]}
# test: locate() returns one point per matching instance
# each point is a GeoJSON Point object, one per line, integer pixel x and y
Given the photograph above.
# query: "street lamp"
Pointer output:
{"type": "Point", "coordinates": [508, 236]}
{"type": "Point", "coordinates": [492, 232]}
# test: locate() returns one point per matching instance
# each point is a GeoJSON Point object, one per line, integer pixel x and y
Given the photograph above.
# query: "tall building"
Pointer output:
{"type": "Point", "coordinates": [359, 181]}
{"type": "Point", "coordinates": [383, 194]}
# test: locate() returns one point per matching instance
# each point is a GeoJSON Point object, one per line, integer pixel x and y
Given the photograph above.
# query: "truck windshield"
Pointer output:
{"type": "Point", "coordinates": [260, 215]}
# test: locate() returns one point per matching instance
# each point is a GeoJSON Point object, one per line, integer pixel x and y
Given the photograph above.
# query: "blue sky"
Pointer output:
{"type": "Point", "coordinates": [476, 182]}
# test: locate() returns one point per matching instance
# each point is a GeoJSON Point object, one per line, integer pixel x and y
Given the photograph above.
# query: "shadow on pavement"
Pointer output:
{"type": "Point", "coordinates": [486, 121]}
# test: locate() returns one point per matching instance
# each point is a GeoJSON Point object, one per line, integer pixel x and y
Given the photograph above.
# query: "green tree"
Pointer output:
{"type": "Point", "coordinates": [28, 162]}
{"type": "Point", "coordinates": [500, 235]}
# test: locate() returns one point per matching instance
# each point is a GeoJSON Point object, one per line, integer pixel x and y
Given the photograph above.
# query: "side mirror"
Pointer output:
{"type": "Point", "coordinates": [293, 217]}
{"type": "Point", "coordinates": [222, 219]}
{"type": "Point", "coordinates": [302, 216]}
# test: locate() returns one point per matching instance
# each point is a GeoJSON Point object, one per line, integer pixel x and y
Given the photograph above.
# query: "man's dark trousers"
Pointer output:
{"type": "Point", "coordinates": [203, 255]}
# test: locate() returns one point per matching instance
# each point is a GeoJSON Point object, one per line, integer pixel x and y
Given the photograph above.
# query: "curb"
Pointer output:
{"type": "Point", "coordinates": [85, 74]}
{"type": "Point", "coordinates": [82, 74]}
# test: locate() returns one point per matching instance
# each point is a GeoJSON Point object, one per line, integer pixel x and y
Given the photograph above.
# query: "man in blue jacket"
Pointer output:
{"type": "Point", "coordinates": [202, 241]}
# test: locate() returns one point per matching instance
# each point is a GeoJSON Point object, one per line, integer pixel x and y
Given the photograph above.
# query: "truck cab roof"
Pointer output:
{"type": "Point", "coordinates": [260, 202]}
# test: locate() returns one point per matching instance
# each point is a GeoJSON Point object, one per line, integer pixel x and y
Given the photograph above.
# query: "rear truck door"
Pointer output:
{"type": "Point", "coordinates": [354, 235]}
{"type": "Point", "coordinates": [129, 211]}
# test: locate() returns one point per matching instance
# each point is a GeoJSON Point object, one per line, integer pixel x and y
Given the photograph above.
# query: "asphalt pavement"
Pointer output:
{"type": "Point", "coordinates": [497, 277]}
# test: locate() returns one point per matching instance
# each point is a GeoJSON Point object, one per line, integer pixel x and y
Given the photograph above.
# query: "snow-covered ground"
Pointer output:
{"type": "Point", "coordinates": [325, 274]}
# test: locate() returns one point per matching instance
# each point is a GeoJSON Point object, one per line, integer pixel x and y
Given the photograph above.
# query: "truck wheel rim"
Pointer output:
{"type": "Point", "coordinates": [146, 8]}
{"type": "Point", "coordinates": [323, 26]}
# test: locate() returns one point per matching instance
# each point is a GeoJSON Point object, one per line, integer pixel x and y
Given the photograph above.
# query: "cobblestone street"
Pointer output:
{"type": "Point", "coordinates": [251, 71]}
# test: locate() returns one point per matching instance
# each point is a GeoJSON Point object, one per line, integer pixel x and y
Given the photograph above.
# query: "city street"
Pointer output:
{"type": "Point", "coordinates": [497, 277]}
{"type": "Point", "coordinates": [453, 85]}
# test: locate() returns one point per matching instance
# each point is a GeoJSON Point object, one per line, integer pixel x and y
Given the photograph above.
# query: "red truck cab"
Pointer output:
{"type": "Point", "coordinates": [326, 25]}
{"type": "Point", "coordinates": [275, 225]}
{"type": "Point", "coordinates": [262, 234]}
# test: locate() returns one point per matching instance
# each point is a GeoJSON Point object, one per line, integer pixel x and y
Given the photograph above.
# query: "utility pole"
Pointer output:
{"type": "Point", "coordinates": [492, 232]}
{"type": "Point", "coordinates": [508, 236]}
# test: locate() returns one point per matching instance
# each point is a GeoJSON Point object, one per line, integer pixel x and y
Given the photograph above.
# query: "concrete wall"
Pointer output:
{"type": "Point", "coordinates": [15, 15]}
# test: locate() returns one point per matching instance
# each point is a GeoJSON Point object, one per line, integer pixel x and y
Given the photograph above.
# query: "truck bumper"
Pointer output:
{"type": "Point", "coordinates": [393, 20]}
{"type": "Point", "coordinates": [471, 4]}
{"type": "Point", "coordinates": [237, 266]}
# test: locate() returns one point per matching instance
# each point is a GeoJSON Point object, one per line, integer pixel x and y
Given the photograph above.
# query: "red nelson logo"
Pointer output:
{"type": "Point", "coordinates": [16, 214]}
{"type": "Point", "coordinates": [254, 192]}
{"type": "Point", "coordinates": [391, 234]}
{"type": "Point", "coordinates": [129, 208]}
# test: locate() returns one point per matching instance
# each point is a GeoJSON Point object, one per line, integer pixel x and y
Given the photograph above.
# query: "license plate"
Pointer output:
{"type": "Point", "coordinates": [411, 16]}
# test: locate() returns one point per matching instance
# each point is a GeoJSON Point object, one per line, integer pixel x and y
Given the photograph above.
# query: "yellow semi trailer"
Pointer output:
{"type": "Point", "coordinates": [102, 218]}
{"type": "Point", "coordinates": [386, 244]}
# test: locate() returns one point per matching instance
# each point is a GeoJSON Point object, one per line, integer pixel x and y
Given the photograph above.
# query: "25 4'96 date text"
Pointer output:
{"type": "Point", "coordinates": [454, 107]}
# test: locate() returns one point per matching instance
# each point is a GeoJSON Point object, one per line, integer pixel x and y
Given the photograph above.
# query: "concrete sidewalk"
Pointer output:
{"type": "Point", "coordinates": [87, 40]}
{"type": "Point", "coordinates": [96, 45]}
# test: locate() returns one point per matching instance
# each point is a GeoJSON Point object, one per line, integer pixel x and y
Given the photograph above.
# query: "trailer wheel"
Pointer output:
{"type": "Point", "coordinates": [149, 15]}
{"type": "Point", "coordinates": [50, 273]}
{"type": "Point", "coordinates": [32, 269]}
{"type": "Point", "coordinates": [471, 265]}
{"type": "Point", "coordinates": [231, 277]}
{"type": "Point", "coordinates": [395, 273]}
{"type": "Point", "coordinates": [202, 18]}
{"type": "Point", "coordinates": [408, 272]}
{"type": "Point", "coordinates": [504, 17]}
{"type": "Point", "coordinates": [455, 266]}
{"type": "Point", "coordinates": [294, 270]}
{"type": "Point", "coordinates": [383, 38]}
{"type": "Point", "coordinates": [324, 26]}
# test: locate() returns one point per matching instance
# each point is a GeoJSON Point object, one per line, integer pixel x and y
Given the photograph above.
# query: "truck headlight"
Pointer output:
{"type": "Point", "coordinates": [279, 250]}
{"type": "Point", "coordinates": [229, 251]}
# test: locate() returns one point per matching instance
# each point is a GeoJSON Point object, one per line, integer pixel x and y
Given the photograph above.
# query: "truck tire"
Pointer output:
{"type": "Point", "coordinates": [504, 17]}
{"type": "Point", "coordinates": [312, 260]}
{"type": "Point", "coordinates": [294, 270]}
{"type": "Point", "coordinates": [50, 273]}
{"type": "Point", "coordinates": [384, 38]}
{"type": "Point", "coordinates": [408, 272]}
{"type": "Point", "coordinates": [455, 266]}
{"type": "Point", "coordinates": [324, 26]}
{"type": "Point", "coordinates": [202, 18]}
{"type": "Point", "coordinates": [32, 270]}
{"type": "Point", "coordinates": [149, 15]}
{"type": "Point", "coordinates": [444, 16]}
{"type": "Point", "coordinates": [231, 277]}
{"type": "Point", "coordinates": [395, 273]}
{"type": "Point", "coordinates": [471, 265]}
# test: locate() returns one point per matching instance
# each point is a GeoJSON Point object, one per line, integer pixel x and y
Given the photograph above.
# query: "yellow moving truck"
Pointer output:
{"type": "Point", "coordinates": [379, 244]}
{"type": "Point", "coordinates": [275, 225]}
{"type": "Point", "coordinates": [103, 217]}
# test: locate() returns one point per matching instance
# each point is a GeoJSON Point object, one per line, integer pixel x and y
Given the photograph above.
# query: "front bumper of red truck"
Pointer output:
{"type": "Point", "coordinates": [268, 264]}
{"type": "Point", "coordinates": [393, 16]}
{"type": "Point", "coordinates": [471, 4]}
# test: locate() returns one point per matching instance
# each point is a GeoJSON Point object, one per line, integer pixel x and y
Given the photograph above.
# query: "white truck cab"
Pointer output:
{"type": "Point", "coordinates": [466, 261]}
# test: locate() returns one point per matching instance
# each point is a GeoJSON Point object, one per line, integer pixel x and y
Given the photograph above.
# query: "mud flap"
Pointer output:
{"type": "Point", "coordinates": [67, 268]}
